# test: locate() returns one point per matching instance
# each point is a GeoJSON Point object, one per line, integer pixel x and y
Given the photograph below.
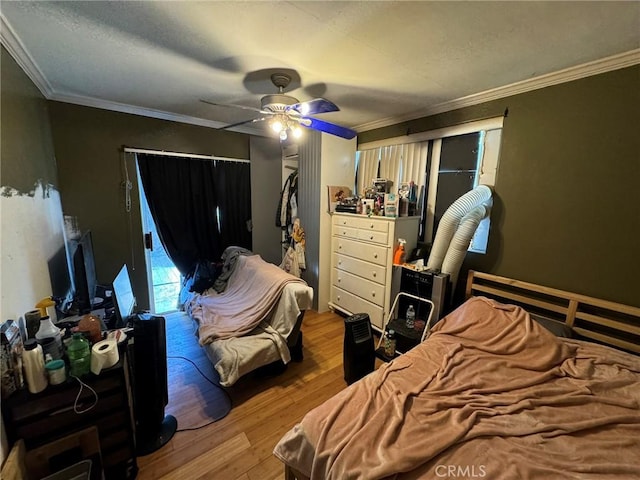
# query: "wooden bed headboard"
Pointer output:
{"type": "Point", "coordinates": [602, 321]}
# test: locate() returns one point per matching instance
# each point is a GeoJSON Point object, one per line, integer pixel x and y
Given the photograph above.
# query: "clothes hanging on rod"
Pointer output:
{"type": "Point", "coordinates": [287, 205]}
{"type": "Point", "coordinates": [294, 260]}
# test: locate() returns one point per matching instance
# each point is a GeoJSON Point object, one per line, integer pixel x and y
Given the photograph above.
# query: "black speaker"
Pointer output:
{"type": "Point", "coordinates": [150, 389]}
{"type": "Point", "coordinates": [359, 351]}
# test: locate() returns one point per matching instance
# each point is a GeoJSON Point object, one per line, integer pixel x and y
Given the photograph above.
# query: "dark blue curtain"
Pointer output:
{"type": "Point", "coordinates": [199, 206]}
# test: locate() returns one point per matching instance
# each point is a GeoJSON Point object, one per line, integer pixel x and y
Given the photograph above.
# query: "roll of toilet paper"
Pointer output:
{"type": "Point", "coordinates": [104, 354]}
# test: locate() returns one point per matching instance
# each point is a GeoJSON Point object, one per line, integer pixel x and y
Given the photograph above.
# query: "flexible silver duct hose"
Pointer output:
{"type": "Point", "coordinates": [460, 243]}
{"type": "Point", "coordinates": [451, 220]}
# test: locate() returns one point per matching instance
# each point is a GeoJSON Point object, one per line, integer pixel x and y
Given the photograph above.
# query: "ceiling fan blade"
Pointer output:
{"type": "Point", "coordinates": [313, 107]}
{"type": "Point", "coordinates": [254, 120]}
{"type": "Point", "coordinates": [327, 127]}
{"type": "Point", "coordinates": [231, 105]}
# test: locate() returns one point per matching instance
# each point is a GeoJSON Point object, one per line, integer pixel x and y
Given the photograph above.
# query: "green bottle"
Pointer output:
{"type": "Point", "coordinates": [79, 354]}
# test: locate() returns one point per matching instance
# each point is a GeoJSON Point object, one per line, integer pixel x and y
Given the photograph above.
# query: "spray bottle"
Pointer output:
{"type": "Point", "coordinates": [47, 328]}
{"type": "Point", "coordinates": [399, 254]}
{"type": "Point", "coordinates": [44, 304]}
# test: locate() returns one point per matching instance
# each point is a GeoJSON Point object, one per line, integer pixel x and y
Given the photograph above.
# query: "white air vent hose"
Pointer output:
{"type": "Point", "coordinates": [460, 243]}
{"type": "Point", "coordinates": [450, 222]}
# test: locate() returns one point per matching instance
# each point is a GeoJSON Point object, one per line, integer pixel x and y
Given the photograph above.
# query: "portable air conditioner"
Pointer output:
{"type": "Point", "coordinates": [359, 350]}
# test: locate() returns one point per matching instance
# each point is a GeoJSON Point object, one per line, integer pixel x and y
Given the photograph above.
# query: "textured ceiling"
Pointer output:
{"type": "Point", "coordinates": [379, 61]}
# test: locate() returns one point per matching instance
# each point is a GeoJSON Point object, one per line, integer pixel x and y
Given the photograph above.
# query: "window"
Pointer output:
{"type": "Point", "coordinates": [448, 162]}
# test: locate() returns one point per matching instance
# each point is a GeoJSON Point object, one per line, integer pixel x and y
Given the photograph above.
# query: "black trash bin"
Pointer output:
{"type": "Point", "coordinates": [359, 351]}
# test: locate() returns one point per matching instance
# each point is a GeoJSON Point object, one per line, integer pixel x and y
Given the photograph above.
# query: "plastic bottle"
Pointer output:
{"type": "Point", "coordinates": [398, 255]}
{"type": "Point", "coordinates": [32, 318]}
{"type": "Point", "coordinates": [33, 363]}
{"type": "Point", "coordinates": [410, 317]}
{"type": "Point", "coordinates": [56, 371]}
{"type": "Point", "coordinates": [390, 344]}
{"type": "Point", "coordinates": [48, 329]}
{"type": "Point", "coordinates": [79, 355]}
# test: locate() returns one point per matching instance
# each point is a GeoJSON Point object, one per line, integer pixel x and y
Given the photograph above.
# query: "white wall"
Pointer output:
{"type": "Point", "coordinates": [338, 168]}
{"type": "Point", "coordinates": [32, 231]}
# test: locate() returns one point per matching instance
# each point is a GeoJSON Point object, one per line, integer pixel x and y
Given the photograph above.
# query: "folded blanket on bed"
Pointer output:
{"type": "Point", "coordinates": [252, 292]}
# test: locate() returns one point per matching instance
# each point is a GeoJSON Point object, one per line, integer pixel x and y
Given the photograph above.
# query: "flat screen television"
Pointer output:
{"type": "Point", "coordinates": [124, 301]}
{"type": "Point", "coordinates": [84, 273]}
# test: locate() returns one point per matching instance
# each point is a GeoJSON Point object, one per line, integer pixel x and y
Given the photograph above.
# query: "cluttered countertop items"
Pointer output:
{"type": "Point", "coordinates": [377, 199]}
{"type": "Point", "coordinates": [39, 352]}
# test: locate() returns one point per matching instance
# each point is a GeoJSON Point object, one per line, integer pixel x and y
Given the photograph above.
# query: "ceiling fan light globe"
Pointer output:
{"type": "Point", "coordinates": [296, 131]}
{"type": "Point", "coordinates": [276, 126]}
{"type": "Point", "coordinates": [283, 135]}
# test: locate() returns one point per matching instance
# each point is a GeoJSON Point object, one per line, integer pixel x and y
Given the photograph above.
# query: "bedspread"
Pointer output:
{"type": "Point", "coordinates": [253, 290]}
{"type": "Point", "coordinates": [489, 394]}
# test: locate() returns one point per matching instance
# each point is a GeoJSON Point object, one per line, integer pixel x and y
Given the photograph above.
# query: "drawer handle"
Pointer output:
{"type": "Point", "coordinates": [339, 279]}
{"type": "Point", "coordinates": [344, 233]}
{"type": "Point", "coordinates": [344, 222]}
{"type": "Point", "coordinates": [370, 237]}
{"type": "Point", "coordinates": [371, 226]}
{"type": "Point", "coordinates": [373, 294]}
{"type": "Point", "coordinates": [373, 274]}
{"type": "Point", "coordinates": [339, 246]}
{"type": "Point", "coordinates": [375, 255]}
{"type": "Point", "coordinates": [339, 262]}
{"type": "Point", "coordinates": [338, 297]}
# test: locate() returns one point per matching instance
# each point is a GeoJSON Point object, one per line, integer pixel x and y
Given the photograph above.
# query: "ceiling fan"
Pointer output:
{"type": "Point", "coordinates": [286, 114]}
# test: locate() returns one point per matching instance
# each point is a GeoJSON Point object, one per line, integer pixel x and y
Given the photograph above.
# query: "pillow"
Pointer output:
{"type": "Point", "coordinates": [559, 329]}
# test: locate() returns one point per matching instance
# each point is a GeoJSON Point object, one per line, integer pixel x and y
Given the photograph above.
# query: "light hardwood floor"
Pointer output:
{"type": "Point", "coordinates": [239, 446]}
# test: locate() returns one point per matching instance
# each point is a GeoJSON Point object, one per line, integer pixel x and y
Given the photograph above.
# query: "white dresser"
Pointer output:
{"type": "Point", "coordinates": [362, 257]}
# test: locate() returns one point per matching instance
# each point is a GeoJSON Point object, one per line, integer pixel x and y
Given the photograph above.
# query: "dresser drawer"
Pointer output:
{"type": "Point", "coordinates": [351, 304]}
{"type": "Point", "coordinates": [369, 253]}
{"type": "Point", "coordinates": [361, 222]}
{"type": "Point", "coordinates": [373, 236]}
{"type": "Point", "coordinates": [370, 291]}
{"type": "Point", "coordinates": [369, 271]}
{"type": "Point", "coordinates": [348, 232]}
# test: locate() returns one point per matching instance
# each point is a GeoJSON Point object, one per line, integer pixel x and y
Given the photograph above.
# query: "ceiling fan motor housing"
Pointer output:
{"type": "Point", "coordinates": [277, 103]}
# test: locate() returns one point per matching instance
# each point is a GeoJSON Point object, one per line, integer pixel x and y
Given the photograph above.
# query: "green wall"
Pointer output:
{"type": "Point", "coordinates": [89, 150]}
{"type": "Point", "coordinates": [567, 193]}
{"type": "Point", "coordinates": [27, 146]}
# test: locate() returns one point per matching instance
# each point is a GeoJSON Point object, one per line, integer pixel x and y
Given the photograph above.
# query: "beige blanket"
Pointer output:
{"type": "Point", "coordinates": [252, 292]}
{"type": "Point", "coordinates": [490, 394]}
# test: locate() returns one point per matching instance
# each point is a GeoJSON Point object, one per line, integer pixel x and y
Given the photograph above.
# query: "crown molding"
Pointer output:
{"type": "Point", "coordinates": [20, 54]}
{"type": "Point", "coordinates": [577, 72]}
{"type": "Point", "coordinates": [148, 112]}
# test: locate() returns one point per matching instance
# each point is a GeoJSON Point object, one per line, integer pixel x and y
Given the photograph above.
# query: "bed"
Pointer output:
{"type": "Point", "coordinates": [521, 381]}
{"type": "Point", "coordinates": [255, 321]}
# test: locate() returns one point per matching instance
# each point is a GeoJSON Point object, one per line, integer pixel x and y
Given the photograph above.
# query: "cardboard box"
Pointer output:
{"type": "Point", "coordinates": [11, 376]}
{"type": "Point", "coordinates": [14, 467]}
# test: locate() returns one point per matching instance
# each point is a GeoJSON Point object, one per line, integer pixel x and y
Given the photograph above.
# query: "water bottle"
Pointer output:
{"type": "Point", "coordinates": [390, 344]}
{"type": "Point", "coordinates": [79, 354]}
{"type": "Point", "coordinates": [411, 317]}
{"type": "Point", "coordinates": [33, 363]}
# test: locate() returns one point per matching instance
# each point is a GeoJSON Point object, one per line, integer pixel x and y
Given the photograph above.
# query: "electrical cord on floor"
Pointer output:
{"type": "Point", "coordinates": [212, 383]}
